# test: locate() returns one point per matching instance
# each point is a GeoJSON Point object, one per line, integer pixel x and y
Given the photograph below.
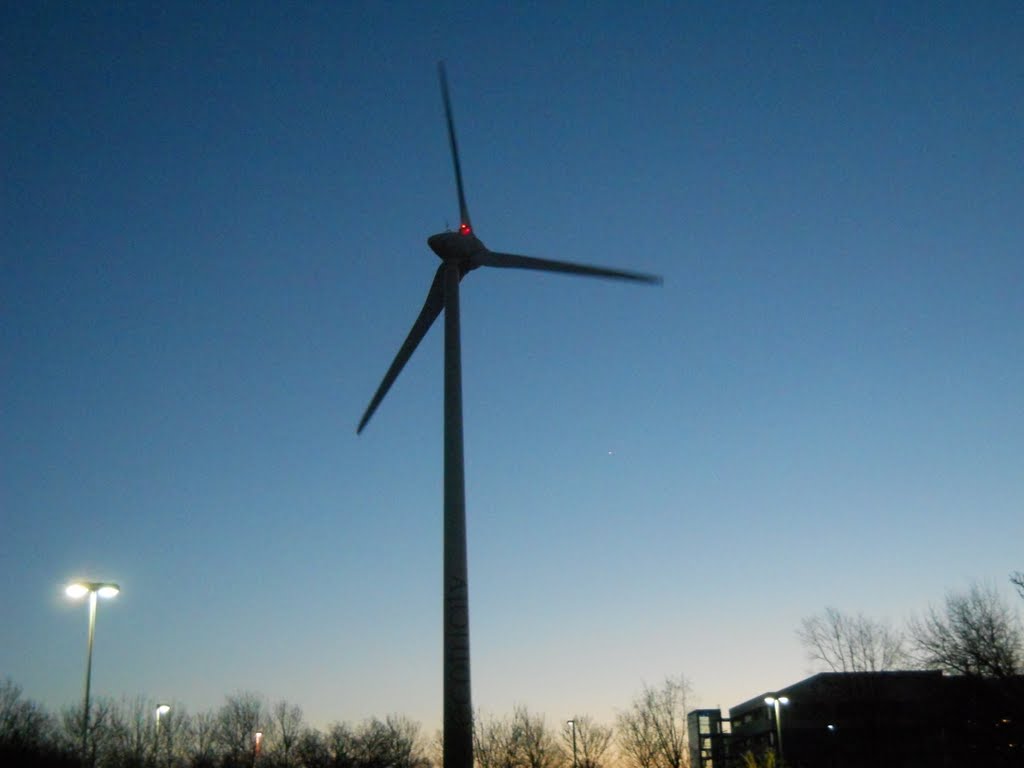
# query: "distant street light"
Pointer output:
{"type": "Point", "coordinates": [776, 701]}
{"type": "Point", "coordinates": [75, 591]}
{"type": "Point", "coordinates": [573, 724]}
{"type": "Point", "coordinates": [257, 742]}
{"type": "Point", "coordinates": [162, 709]}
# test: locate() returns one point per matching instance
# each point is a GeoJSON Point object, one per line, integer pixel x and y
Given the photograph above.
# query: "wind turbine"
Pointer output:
{"type": "Point", "coordinates": [460, 253]}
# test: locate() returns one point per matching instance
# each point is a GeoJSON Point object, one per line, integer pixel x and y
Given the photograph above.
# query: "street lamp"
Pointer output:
{"type": "Point", "coordinates": [162, 709]}
{"type": "Point", "coordinates": [257, 743]}
{"type": "Point", "coordinates": [776, 701]}
{"type": "Point", "coordinates": [77, 590]}
{"type": "Point", "coordinates": [572, 724]}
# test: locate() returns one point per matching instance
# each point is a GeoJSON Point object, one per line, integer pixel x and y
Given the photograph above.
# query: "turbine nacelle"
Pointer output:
{"type": "Point", "coordinates": [457, 246]}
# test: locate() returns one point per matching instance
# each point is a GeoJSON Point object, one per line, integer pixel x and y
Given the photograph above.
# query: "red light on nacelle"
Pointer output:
{"type": "Point", "coordinates": [465, 229]}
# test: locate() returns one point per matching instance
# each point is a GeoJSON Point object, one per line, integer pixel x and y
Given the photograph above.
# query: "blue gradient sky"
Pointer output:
{"type": "Point", "coordinates": [213, 243]}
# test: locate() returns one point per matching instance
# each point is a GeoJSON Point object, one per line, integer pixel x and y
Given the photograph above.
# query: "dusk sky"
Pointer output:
{"type": "Point", "coordinates": [213, 223]}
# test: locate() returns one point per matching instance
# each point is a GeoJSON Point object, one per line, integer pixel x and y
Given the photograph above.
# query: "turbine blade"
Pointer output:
{"type": "Point", "coordinates": [463, 209]}
{"type": "Point", "coordinates": [431, 309]}
{"type": "Point", "coordinates": [514, 261]}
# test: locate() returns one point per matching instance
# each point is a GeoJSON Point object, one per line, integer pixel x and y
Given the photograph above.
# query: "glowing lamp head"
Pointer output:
{"type": "Point", "coordinates": [76, 590]}
{"type": "Point", "coordinates": [465, 229]}
{"type": "Point", "coordinates": [82, 588]}
{"type": "Point", "coordinates": [163, 709]}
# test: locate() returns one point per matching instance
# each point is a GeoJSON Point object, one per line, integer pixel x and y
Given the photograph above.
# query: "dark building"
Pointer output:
{"type": "Point", "coordinates": [866, 719]}
{"type": "Point", "coordinates": [707, 731]}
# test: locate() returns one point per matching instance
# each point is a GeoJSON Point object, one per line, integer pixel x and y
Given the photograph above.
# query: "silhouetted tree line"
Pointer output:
{"type": "Point", "coordinates": [127, 734]}
{"type": "Point", "coordinates": [28, 734]}
{"type": "Point", "coordinates": [974, 633]}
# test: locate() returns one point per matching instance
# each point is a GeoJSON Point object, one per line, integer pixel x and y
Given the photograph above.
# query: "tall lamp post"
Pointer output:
{"type": "Point", "coordinates": [776, 701]}
{"type": "Point", "coordinates": [572, 724]}
{"type": "Point", "coordinates": [78, 590]}
{"type": "Point", "coordinates": [163, 709]}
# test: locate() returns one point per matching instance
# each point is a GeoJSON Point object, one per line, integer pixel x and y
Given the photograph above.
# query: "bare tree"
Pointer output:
{"type": "Point", "coordinates": [410, 748]}
{"type": "Point", "coordinates": [652, 733]}
{"type": "Point", "coordinates": [588, 740]}
{"type": "Point", "coordinates": [311, 750]}
{"type": "Point", "coordinates": [237, 723]}
{"type": "Point", "coordinates": [976, 633]}
{"type": "Point", "coordinates": [131, 733]}
{"type": "Point", "coordinates": [28, 734]}
{"type": "Point", "coordinates": [846, 643]}
{"type": "Point", "coordinates": [669, 705]}
{"type": "Point", "coordinates": [284, 729]}
{"type": "Point", "coordinates": [172, 735]}
{"type": "Point", "coordinates": [1017, 579]}
{"type": "Point", "coordinates": [201, 741]}
{"type": "Point", "coordinates": [341, 745]}
{"type": "Point", "coordinates": [636, 737]}
{"type": "Point", "coordinates": [98, 738]}
{"type": "Point", "coordinates": [524, 741]}
{"type": "Point", "coordinates": [390, 743]}
{"type": "Point", "coordinates": [493, 743]}
{"type": "Point", "coordinates": [435, 749]}
{"type": "Point", "coordinates": [22, 722]}
{"type": "Point", "coordinates": [536, 744]}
